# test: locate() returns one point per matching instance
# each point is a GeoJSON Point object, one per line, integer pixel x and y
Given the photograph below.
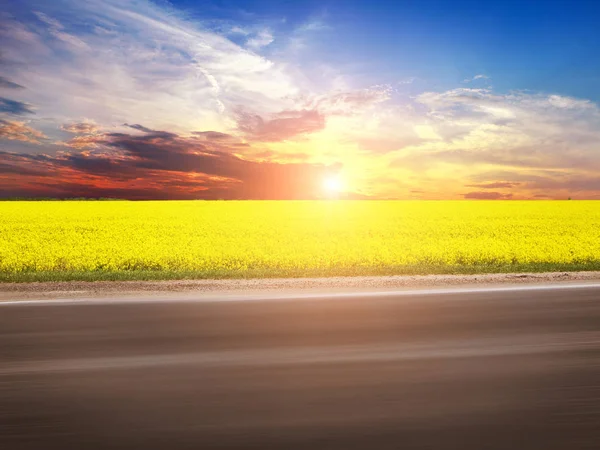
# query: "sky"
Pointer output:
{"type": "Point", "coordinates": [256, 99]}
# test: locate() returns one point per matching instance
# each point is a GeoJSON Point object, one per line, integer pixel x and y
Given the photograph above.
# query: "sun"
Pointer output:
{"type": "Point", "coordinates": [333, 184]}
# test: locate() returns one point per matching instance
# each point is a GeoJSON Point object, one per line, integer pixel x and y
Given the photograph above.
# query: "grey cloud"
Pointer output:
{"type": "Point", "coordinates": [15, 107]}
{"type": "Point", "coordinates": [7, 84]}
{"type": "Point", "coordinates": [213, 135]}
{"type": "Point", "coordinates": [139, 127]}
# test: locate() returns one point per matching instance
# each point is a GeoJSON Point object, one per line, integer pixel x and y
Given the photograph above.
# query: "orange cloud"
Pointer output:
{"type": "Point", "coordinates": [18, 131]}
{"type": "Point", "coordinates": [158, 165]}
{"type": "Point", "coordinates": [81, 128]}
{"type": "Point", "coordinates": [83, 142]}
{"type": "Point", "coordinates": [282, 126]}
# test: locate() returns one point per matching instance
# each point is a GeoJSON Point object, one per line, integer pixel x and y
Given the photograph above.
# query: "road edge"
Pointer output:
{"type": "Point", "coordinates": [96, 289]}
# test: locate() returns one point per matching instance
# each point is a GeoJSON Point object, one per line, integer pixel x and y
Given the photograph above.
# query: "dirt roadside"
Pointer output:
{"type": "Point", "coordinates": [49, 290]}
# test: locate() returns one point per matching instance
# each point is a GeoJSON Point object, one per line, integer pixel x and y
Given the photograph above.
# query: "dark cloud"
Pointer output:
{"type": "Point", "coordinates": [138, 127]}
{"type": "Point", "coordinates": [14, 107]}
{"type": "Point", "coordinates": [260, 180]}
{"type": "Point", "coordinates": [494, 185]}
{"type": "Point", "coordinates": [81, 190]}
{"type": "Point", "coordinates": [487, 196]}
{"type": "Point", "coordinates": [283, 126]}
{"type": "Point", "coordinates": [269, 154]}
{"type": "Point", "coordinates": [21, 170]}
{"type": "Point", "coordinates": [164, 165]}
{"type": "Point", "coordinates": [214, 135]}
{"type": "Point", "coordinates": [146, 130]}
{"type": "Point", "coordinates": [7, 84]}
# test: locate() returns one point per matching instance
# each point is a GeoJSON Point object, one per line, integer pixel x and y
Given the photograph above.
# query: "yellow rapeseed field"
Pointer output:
{"type": "Point", "coordinates": [203, 239]}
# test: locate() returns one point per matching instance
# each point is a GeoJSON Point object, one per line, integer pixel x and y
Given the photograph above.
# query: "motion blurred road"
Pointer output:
{"type": "Point", "coordinates": [505, 368]}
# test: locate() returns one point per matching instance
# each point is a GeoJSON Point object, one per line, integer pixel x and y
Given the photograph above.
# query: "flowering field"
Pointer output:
{"type": "Point", "coordinates": [200, 239]}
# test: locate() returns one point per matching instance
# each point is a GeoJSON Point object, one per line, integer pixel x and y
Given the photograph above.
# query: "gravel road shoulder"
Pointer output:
{"type": "Point", "coordinates": [76, 289]}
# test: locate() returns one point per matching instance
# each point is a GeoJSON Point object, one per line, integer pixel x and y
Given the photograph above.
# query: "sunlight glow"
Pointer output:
{"type": "Point", "coordinates": [333, 184]}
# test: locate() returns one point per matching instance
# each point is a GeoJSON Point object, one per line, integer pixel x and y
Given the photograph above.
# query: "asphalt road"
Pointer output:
{"type": "Point", "coordinates": [467, 369]}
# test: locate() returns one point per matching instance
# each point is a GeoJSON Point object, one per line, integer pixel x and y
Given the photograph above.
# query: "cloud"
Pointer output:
{"type": "Point", "coordinates": [15, 107]}
{"type": "Point", "coordinates": [20, 171]}
{"type": "Point", "coordinates": [19, 131]}
{"type": "Point", "coordinates": [261, 39]}
{"type": "Point", "coordinates": [409, 80]}
{"type": "Point", "coordinates": [139, 127]}
{"type": "Point", "coordinates": [282, 126]}
{"type": "Point", "coordinates": [56, 29]}
{"type": "Point", "coordinates": [565, 182]}
{"type": "Point", "coordinates": [375, 145]}
{"type": "Point", "coordinates": [162, 165]}
{"type": "Point", "coordinates": [494, 185]}
{"type": "Point", "coordinates": [552, 183]}
{"type": "Point", "coordinates": [52, 23]}
{"type": "Point", "coordinates": [305, 34]}
{"type": "Point", "coordinates": [532, 142]}
{"type": "Point", "coordinates": [81, 128]}
{"type": "Point", "coordinates": [112, 60]}
{"type": "Point", "coordinates": [515, 130]}
{"type": "Point", "coordinates": [184, 102]}
{"type": "Point", "coordinates": [348, 102]}
{"type": "Point", "coordinates": [83, 142]}
{"type": "Point", "coordinates": [7, 84]}
{"type": "Point", "coordinates": [315, 24]}
{"type": "Point", "coordinates": [238, 30]}
{"type": "Point", "coordinates": [214, 135]}
{"type": "Point", "coordinates": [484, 195]}
{"type": "Point", "coordinates": [476, 77]}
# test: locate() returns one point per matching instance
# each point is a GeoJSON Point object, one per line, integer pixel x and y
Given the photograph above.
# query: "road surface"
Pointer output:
{"type": "Point", "coordinates": [504, 368]}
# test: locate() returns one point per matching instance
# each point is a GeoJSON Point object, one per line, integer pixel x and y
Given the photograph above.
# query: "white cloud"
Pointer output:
{"type": "Point", "coordinates": [238, 30]}
{"type": "Point", "coordinates": [261, 39]}
{"type": "Point", "coordinates": [140, 62]}
{"type": "Point", "coordinates": [304, 34]}
{"type": "Point", "coordinates": [313, 25]}
{"type": "Point", "coordinates": [476, 77]}
{"type": "Point", "coordinates": [409, 80]}
{"type": "Point", "coordinates": [515, 130]}
{"type": "Point", "coordinates": [349, 102]}
{"type": "Point", "coordinates": [56, 29]}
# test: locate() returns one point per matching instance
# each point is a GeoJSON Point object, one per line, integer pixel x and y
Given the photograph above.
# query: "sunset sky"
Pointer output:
{"type": "Point", "coordinates": [187, 99]}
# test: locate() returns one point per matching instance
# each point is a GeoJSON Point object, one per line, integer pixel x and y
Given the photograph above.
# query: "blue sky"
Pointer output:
{"type": "Point", "coordinates": [526, 44]}
{"type": "Point", "coordinates": [404, 99]}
